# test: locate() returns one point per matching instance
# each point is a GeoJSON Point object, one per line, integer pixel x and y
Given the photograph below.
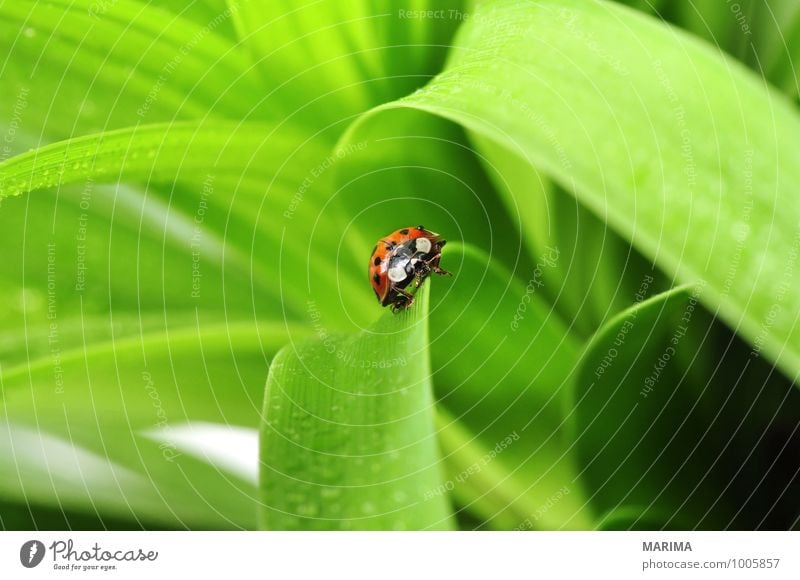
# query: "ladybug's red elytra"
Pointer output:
{"type": "Point", "coordinates": [405, 256]}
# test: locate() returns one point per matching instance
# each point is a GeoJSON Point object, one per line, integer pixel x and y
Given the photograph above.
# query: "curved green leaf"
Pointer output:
{"type": "Point", "coordinates": [674, 423]}
{"type": "Point", "coordinates": [188, 152]}
{"type": "Point", "coordinates": [243, 182]}
{"type": "Point", "coordinates": [202, 13]}
{"type": "Point", "coordinates": [327, 61]}
{"type": "Point", "coordinates": [404, 168]}
{"type": "Point", "coordinates": [106, 399]}
{"type": "Point", "coordinates": [763, 34]}
{"type": "Point", "coordinates": [597, 273]}
{"type": "Point", "coordinates": [502, 364]}
{"type": "Point", "coordinates": [101, 263]}
{"type": "Point", "coordinates": [348, 438]}
{"type": "Point", "coordinates": [84, 66]}
{"type": "Point", "coordinates": [680, 150]}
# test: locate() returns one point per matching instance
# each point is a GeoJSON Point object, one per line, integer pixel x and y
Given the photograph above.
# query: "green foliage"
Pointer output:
{"type": "Point", "coordinates": [503, 372]}
{"type": "Point", "coordinates": [672, 433]}
{"type": "Point", "coordinates": [666, 193]}
{"type": "Point", "coordinates": [189, 195]}
{"type": "Point", "coordinates": [347, 438]}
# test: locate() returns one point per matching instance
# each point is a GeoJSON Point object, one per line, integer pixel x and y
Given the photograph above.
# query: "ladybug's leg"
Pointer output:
{"type": "Point", "coordinates": [422, 270]}
{"type": "Point", "coordinates": [433, 266]}
{"type": "Point", "coordinates": [403, 300]}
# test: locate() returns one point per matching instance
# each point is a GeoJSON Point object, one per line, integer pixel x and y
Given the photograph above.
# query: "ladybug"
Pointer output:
{"type": "Point", "coordinates": [405, 256]}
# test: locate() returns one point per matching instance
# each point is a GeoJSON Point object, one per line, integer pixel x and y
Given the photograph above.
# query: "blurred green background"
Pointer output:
{"type": "Point", "coordinates": [190, 196]}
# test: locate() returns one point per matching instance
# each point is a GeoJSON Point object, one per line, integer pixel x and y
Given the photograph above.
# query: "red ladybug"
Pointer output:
{"type": "Point", "coordinates": [407, 255]}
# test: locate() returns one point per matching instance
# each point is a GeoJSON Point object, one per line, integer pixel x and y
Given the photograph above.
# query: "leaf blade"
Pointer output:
{"type": "Point", "coordinates": [107, 399]}
{"type": "Point", "coordinates": [130, 58]}
{"type": "Point", "coordinates": [674, 423]}
{"type": "Point", "coordinates": [346, 444]}
{"type": "Point", "coordinates": [728, 214]}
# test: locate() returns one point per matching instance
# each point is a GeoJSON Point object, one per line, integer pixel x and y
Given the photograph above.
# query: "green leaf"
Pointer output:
{"type": "Point", "coordinates": [777, 43]}
{"type": "Point", "coordinates": [765, 35]}
{"type": "Point", "coordinates": [327, 61]}
{"type": "Point", "coordinates": [704, 186]}
{"type": "Point", "coordinates": [430, 172]}
{"type": "Point", "coordinates": [225, 168]}
{"type": "Point", "coordinates": [106, 401]}
{"type": "Point", "coordinates": [717, 26]}
{"type": "Point", "coordinates": [502, 364]}
{"type": "Point", "coordinates": [85, 66]}
{"type": "Point", "coordinates": [650, 6]}
{"type": "Point", "coordinates": [676, 426]}
{"type": "Point", "coordinates": [204, 13]}
{"type": "Point", "coordinates": [104, 291]}
{"type": "Point", "coordinates": [638, 518]}
{"type": "Point", "coordinates": [163, 153]}
{"type": "Point", "coordinates": [23, 516]}
{"type": "Point", "coordinates": [597, 273]}
{"type": "Point", "coordinates": [348, 438]}
{"type": "Point", "coordinates": [99, 264]}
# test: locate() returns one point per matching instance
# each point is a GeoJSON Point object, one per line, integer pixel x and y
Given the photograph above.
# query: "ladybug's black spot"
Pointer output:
{"type": "Point", "coordinates": [404, 231]}
{"type": "Point", "coordinates": [377, 279]}
{"type": "Point", "coordinates": [377, 261]}
{"type": "Point", "coordinates": [421, 228]}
